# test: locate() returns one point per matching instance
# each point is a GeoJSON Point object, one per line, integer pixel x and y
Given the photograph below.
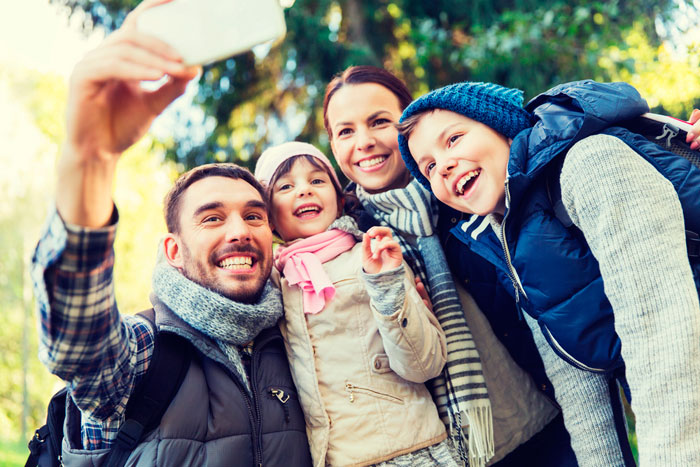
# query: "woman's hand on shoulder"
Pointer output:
{"type": "Point", "coordinates": [380, 252]}
{"type": "Point", "coordinates": [694, 134]}
{"type": "Point", "coordinates": [420, 287]}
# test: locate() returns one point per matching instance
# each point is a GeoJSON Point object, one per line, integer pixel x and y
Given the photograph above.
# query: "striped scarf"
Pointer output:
{"type": "Point", "coordinates": [460, 392]}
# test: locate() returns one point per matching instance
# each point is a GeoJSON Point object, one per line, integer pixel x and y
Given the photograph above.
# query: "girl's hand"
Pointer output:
{"type": "Point", "coordinates": [387, 252]}
{"type": "Point", "coordinates": [694, 134]}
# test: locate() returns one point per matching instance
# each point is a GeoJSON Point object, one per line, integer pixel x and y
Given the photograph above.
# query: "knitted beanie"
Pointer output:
{"type": "Point", "coordinates": [271, 158]}
{"type": "Point", "coordinates": [495, 106]}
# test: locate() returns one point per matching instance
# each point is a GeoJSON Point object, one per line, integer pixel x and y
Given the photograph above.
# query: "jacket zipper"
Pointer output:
{"type": "Point", "coordinates": [257, 455]}
{"type": "Point", "coordinates": [352, 389]}
{"type": "Point", "coordinates": [257, 442]}
{"type": "Point", "coordinates": [506, 254]}
{"type": "Point", "coordinates": [567, 356]}
{"type": "Point", "coordinates": [518, 288]}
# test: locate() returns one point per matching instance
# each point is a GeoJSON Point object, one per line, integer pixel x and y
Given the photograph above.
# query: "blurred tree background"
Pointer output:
{"type": "Point", "coordinates": [251, 101]}
{"type": "Point", "coordinates": [31, 131]}
{"type": "Point", "coordinates": [271, 95]}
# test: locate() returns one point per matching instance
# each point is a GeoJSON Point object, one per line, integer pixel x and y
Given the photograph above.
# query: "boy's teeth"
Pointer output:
{"type": "Point", "coordinates": [464, 180]}
{"type": "Point", "coordinates": [371, 162]}
{"type": "Point", "coordinates": [237, 262]}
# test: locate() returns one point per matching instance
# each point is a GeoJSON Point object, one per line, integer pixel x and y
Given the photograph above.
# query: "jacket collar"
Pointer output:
{"type": "Point", "coordinates": [564, 115]}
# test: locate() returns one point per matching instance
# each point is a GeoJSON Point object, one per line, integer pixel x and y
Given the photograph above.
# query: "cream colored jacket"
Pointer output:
{"type": "Point", "coordinates": [359, 374]}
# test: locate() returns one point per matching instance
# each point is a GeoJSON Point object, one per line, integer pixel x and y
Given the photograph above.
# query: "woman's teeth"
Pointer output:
{"type": "Point", "coordinates": [237, 262]}
{"type": "Point", "coordinates": [464, 180]}
{"type": "Point", "coordinates": [364, 164]}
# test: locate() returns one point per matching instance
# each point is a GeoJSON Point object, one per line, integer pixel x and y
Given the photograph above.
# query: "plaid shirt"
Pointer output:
{"type": "Point", "coordinates": [83, 339]}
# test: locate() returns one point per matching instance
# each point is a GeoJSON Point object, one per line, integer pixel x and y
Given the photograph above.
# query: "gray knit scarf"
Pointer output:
{"type": "Point", "coordinates": [461, 389]}
{"type": "Point", "coordinates": [230, 324]}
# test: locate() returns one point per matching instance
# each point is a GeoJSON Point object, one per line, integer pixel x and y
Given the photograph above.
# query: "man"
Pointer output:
{"type": "Point", "coordinates": [211, 287]}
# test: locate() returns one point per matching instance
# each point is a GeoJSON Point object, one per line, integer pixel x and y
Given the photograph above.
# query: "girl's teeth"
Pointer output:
{"type": "Point", "coordinates": [371, 162]}
{"type": "Point", "coordinates": [306, 209]}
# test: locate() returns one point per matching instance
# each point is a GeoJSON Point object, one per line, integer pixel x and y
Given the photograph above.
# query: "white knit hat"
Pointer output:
{"type": "Point", "coordinates": [272, 157]}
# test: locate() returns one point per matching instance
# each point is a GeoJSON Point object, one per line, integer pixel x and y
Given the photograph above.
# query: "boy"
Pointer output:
{"type": "Point", "coordinates": [600, 271]}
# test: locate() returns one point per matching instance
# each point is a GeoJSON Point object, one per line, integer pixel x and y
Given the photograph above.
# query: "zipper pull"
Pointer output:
{"type": "Point", "coordinates": [280, 395]}
{"type": "Point", "coordinates": [349, 387]}
{"type": "Point", "coordinates": [283, 398]}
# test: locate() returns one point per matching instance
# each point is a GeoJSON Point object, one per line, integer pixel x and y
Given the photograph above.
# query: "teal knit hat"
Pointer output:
{"type": "Point", "coordinates": [495, 106]}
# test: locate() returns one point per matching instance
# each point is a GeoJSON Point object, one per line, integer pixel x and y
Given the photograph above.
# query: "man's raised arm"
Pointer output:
{"type": "Point", "coordinates": [83, 338]}
{"type": "Point", "coordinates": [108, 111]}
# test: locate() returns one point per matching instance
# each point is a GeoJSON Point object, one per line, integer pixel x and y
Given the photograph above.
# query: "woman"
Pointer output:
{"type": "Point", "coordinates": [361, 106]}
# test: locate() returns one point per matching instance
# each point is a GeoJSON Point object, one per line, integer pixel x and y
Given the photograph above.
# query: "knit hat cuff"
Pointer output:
{"type": "Point", "coordinates": [273, 157]}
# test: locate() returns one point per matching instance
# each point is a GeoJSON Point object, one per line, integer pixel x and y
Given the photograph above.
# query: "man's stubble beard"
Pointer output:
{"type": "Point", "coordinates": [197, 273]}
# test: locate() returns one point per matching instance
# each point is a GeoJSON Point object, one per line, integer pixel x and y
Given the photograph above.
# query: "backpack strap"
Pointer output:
{"type": "Point", "coordinates": [45, 445]}
{"type": "Point", "coordinates": [667, 132]}
{"type": "Point", "coordinates": [169, 363]}
{"type": "Point", "coordinates": [171, 359]}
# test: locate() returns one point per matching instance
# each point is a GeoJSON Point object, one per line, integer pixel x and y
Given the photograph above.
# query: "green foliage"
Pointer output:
{"type": "Point", "coordinates": [142, 181]}
{"type": "Point", "coordinates": [33, 107]}
{"type": "Point", "coordinates": [251, 101]}
{"type": "Point", "coordinates": [13, 454]}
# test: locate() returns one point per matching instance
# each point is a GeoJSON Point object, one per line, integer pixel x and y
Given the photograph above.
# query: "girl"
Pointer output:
{"type": "Point", "coordinates": [360, 339]}
{"type": "Point", "coordinates": [607, 257]}
{"type": "Point", "coordinates": [361, 106]}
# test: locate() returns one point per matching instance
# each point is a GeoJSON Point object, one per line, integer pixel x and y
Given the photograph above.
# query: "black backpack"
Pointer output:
{"type": "Point", "coordinates": [172, 355]}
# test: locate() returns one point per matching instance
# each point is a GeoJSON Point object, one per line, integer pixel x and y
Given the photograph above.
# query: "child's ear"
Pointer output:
{"type": "Point", "coordinates": [341, 205]}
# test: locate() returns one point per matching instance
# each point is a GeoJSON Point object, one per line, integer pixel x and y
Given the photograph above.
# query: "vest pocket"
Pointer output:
{"type": "Point", "coordinates": [566, 356]}
{"type": "Point", "coordinates": [353, 389]}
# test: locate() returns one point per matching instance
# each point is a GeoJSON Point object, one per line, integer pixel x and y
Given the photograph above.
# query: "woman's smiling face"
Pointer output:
{"type": "Point", "coordinates": [364, 141]}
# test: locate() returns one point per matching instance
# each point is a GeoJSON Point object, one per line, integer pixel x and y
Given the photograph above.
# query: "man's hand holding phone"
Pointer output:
{"type": "Point", "coordinates": [108, 111]}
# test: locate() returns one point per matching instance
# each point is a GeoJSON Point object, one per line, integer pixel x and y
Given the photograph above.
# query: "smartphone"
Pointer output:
{"type": "Point", "coordinates": [204, 31]}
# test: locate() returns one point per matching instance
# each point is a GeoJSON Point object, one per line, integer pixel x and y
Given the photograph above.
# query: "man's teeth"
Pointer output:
{"type": "Point", "coordinates": [237, 262]}
{"type": "Point", "coordinates": [464, 180]}
{"type": "Point", "coordinates": [371, 162]}
{"type": "Point", "coordinates": [304, 209]}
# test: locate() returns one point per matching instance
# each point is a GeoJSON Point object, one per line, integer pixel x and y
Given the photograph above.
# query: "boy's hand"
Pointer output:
{"type": "Point", "coordinates": [694, 134]}
{"type": "Point", "coordinates": [384, 255]}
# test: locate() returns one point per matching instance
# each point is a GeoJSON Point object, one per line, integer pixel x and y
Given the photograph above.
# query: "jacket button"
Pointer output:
{"type": "Point", "coordinates": [404, 322]}
{"type": "Point", "coordinates": [377, 364]}
{"type": "Point", "coordinates": [544, 387]}
{"type": "Point", "coordinates": [453, 220]}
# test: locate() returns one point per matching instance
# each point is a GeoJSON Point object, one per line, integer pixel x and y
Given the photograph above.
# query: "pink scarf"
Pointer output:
{"type": "Point", "coordinates": [301, 264]}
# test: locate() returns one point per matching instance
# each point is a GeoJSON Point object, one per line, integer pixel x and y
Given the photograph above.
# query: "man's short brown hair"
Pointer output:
{"type": "Point", "coordinates": [171, 203]}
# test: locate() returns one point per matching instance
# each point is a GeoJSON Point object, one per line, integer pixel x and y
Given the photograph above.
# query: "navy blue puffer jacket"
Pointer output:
{"type": "Point", "coordinates": [561, 285]}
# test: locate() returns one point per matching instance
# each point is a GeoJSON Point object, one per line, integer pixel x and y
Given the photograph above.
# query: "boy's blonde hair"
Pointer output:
{"type": "Point", "coordinates": [495, 106]}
